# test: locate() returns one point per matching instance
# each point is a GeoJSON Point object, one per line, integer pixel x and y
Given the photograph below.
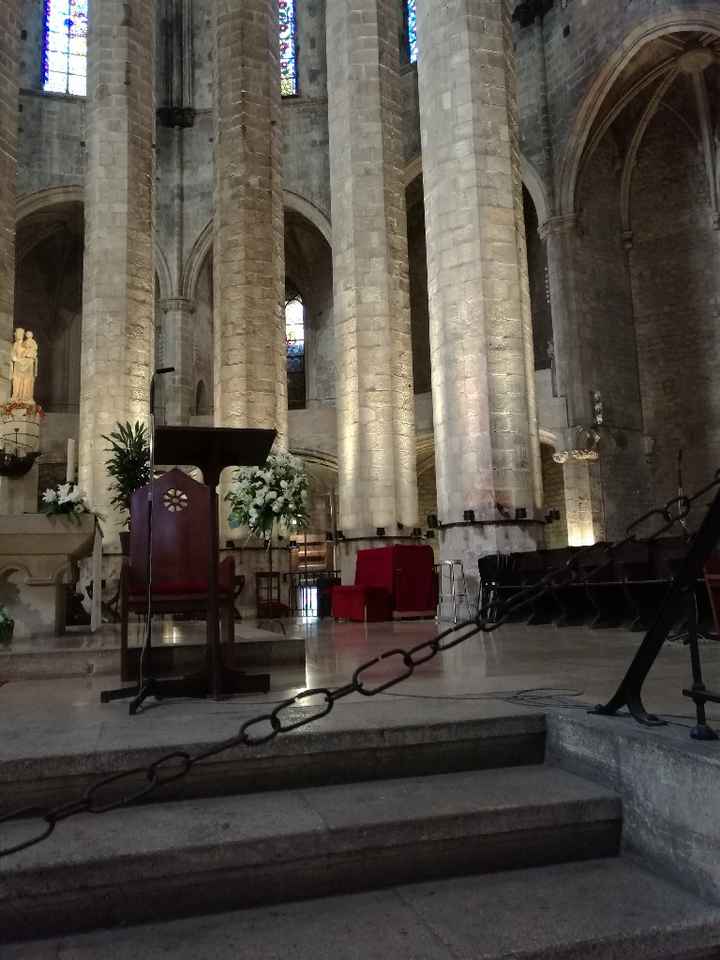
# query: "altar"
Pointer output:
{"type": "Point", "coordinates": [37, 557]}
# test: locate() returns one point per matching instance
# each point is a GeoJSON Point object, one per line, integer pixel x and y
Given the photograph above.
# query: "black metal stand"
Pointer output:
{"type": "Point", "coordinates": [629, 693]}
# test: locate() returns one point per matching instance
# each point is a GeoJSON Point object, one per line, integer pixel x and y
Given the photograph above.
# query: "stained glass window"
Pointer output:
{"type": "Point", "coordinates": [295, 338]}
{"type": "Point", "coordinates": [288, 49]}
{"type": "Point", "coordinates": [412, 30]}
{"type": "Point", "coordinates": [65, 46]}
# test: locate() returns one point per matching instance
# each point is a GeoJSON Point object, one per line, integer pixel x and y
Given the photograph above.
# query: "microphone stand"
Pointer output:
{"type": "Point", "coordinates": [147, 684]}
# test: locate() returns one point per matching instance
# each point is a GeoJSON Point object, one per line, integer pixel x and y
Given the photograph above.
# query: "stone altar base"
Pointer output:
{"type": "Point", "coordinates": [36, 556]}
{"type": "Point", "coordinates": [178, 648]}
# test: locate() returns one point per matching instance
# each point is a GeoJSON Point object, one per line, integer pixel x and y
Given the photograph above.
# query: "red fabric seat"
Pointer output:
{"type": "Point", "coordinates": [362, 604]}
{"type": "Point", "coordinates": [390, 582]}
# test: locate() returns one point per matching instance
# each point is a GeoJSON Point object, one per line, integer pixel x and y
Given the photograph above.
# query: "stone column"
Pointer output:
{"type": "Point", "coordinates": [375, 403]}
{"type": "Point", "coordinates": [118, 292]}
{"type": "Point", "coordinates": [177, 389]}
{"type": "Point", "coordinates": [249, 252]}
{"type": "Point", "coordinates": [487, 452]}
{"type": "Point", "coordinates": [583, 491]}
{"type": "Point", "coordinates": [9, 53]}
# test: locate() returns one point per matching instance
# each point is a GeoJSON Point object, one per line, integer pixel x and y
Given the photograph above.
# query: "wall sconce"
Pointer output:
{"type": "Point", "coordinates": [328, 536]}
{"type": "Point", "coordinates": [380, 531]}
{"type": "Point", "coordinates": [469, 516]}
{"type": "Point", "coordinates": [520, 513]}
{"type": "Point", "coordinates": [432, 521]}
{"type": "Point", "coordinates": [430, 535]}
{"type": "Point", "coordinates": [400, 526]}
{"type": "Point", "coordinates": [417, 532]}
{"type": "Point", "coordinates": [340, 535]}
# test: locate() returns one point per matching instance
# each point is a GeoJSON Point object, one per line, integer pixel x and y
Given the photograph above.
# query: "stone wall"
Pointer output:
{"type": "Point", "coordinates": [675, 274]}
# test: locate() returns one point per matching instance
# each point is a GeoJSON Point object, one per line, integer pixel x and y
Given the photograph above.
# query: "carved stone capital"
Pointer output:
{"type": "Point", "coordinates": [555, 226]}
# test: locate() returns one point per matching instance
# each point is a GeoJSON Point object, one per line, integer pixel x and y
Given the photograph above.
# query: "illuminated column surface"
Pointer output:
{"type": "Point", "coordinates": [118, 286]}
{"type": "Point", "coordinates": [487, 450]}
{"type": "Point", "coordinates": [375, 403]}
{"type": "Point", "coordinates": [8, 150]}
{"type": "Point", "coordinates": [249, 252]}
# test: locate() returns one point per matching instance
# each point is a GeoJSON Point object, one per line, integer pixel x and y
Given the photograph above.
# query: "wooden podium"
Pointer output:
{"type": "Point", "coordinates": [211, 449]}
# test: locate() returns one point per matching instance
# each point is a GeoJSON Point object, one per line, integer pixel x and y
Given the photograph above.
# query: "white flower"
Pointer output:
{"type": "Point", "coordinates": [50, 496]}
{"type": "Point", "coordinates": [63, 492]}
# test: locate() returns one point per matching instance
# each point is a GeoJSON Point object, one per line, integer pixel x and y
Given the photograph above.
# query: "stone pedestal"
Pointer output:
{"type": "Point", "coordinates": [36, 555]}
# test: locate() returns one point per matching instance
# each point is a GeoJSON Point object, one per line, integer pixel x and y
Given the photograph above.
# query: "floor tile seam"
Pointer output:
{"type": "Point", "coordinates": [425, 923]}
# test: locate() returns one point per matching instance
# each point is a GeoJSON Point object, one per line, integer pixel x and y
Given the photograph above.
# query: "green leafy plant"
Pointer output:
{"type": "Point", "coordinates": [129, 462]}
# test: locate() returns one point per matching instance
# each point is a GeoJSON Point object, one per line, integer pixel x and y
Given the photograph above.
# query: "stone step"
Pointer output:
{"type": "Point", "coordinates": [38, 769]}
{"type": "Point", "coordinates": [192, 857]}
{"type": "Point", "coordinates": [601, 909]}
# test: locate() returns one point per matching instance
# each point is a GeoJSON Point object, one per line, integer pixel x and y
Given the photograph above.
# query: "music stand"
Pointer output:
{"type": "Point", "coordinates": [211, 449]}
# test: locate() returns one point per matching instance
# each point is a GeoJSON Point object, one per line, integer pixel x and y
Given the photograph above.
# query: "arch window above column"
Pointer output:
{"type": "Point", "coordinates": [65, 47]}
{"type": "Point", "coordinates": [411, 20]}
{"type": "Point", "coordinates": [288, 49]}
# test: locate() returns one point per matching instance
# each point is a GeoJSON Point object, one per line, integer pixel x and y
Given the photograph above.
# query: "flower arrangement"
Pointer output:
{"type": "Point", "coordinates": [268, 497]}
{"type": "Point", "coordinates": [65, 500]}
{"type": "Point", "coordinates": [9, 408]}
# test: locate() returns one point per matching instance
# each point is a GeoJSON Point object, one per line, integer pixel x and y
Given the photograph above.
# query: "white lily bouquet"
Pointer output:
{"type": "Point", "coordinates": [65, 500]}
{"type": "Point", "coordinates": [272, 497]}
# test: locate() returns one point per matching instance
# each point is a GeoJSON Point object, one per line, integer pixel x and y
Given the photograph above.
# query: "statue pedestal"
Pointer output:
{"type": "Point", "coordinates": [36, 556]}
{"type": "Point", "coordinates": [20, 437]}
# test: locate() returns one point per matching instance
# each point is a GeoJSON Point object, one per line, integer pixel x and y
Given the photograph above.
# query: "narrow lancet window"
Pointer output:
{"type": "Point", "coordinates": [295, 338]}
{"type": "Point", "coordinates": [412, 30]}
{"type": "Point", "coordinates": [288, 49]}
{"type": "Point", "coordinates": [65, 47]}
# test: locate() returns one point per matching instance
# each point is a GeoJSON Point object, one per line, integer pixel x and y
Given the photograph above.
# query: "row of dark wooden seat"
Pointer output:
{"type": "Point", "coordinates": [625, 591]}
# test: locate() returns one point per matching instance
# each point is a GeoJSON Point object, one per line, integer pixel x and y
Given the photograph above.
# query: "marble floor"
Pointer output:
{"type": "Point", "coordinates": [516, 667]}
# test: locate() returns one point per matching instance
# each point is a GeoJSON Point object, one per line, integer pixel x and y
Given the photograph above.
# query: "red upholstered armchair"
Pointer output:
{"type": "Point", "coordinates": [180, 556]}
{"type": "Point", "coordinates": [390, 582]}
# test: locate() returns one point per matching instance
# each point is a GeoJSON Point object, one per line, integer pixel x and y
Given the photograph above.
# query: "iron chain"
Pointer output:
{"type": "Point", "coordinates": [265, 727]}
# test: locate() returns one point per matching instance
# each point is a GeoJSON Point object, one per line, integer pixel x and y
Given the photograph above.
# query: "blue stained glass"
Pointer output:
{"type": "Point", "coordinates": [295, 335]}
{"type": "Point", "coordinates": [65, 46]}
{"type": "Point", "coordinates": [288, 49]}
{"type": "Point", "coordinates": [412, 30]}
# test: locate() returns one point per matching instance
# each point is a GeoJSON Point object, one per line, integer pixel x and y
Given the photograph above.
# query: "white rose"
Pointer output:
{"type": "Point", "coordinates": [50, 496]}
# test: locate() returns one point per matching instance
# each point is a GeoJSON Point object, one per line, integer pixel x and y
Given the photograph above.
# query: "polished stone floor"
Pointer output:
{"type": "Point", "coordinates": [517, 666]}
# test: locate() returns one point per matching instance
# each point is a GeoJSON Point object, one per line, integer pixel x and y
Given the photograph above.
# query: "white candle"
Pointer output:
{"type": "Point", "coordinates": [70, 474]}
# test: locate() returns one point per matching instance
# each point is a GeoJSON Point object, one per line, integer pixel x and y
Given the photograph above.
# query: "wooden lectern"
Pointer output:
{"type": "Point", "coordinates": [211, 449]}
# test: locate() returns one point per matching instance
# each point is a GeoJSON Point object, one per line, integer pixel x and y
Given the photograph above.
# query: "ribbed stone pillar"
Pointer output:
{"type": "Point", "coordinates": [249, 252]}
{"type": "Point", "coordinates": [8, 150]}
{"type": "Point", "coordinates": [375, 403]}
{"type": "Point", "coordinates": [175, 392]}
{"type": "Point", "coordinates": [487, 450]}
{"type": "Point", "coordinates": [118, 291]}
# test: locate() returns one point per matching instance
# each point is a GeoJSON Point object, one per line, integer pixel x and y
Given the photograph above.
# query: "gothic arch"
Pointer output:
{"type": "Point", "coordinates": [33, 203]}
{"type": "Point", "coordinates": [203, 245]}
{"type": "Point", "coordinates": [703, 19]}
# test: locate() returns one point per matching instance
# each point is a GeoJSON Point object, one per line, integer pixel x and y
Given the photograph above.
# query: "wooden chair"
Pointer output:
{"type": "Point", "coordinates": [180, 549]}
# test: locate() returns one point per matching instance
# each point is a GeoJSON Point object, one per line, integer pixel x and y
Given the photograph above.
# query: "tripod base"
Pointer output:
{"type": "Point", "coordinates": [232, 682]}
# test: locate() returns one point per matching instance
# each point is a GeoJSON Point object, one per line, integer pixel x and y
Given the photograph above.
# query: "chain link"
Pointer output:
{"type": "Point", "coordinates": [265, 727]}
